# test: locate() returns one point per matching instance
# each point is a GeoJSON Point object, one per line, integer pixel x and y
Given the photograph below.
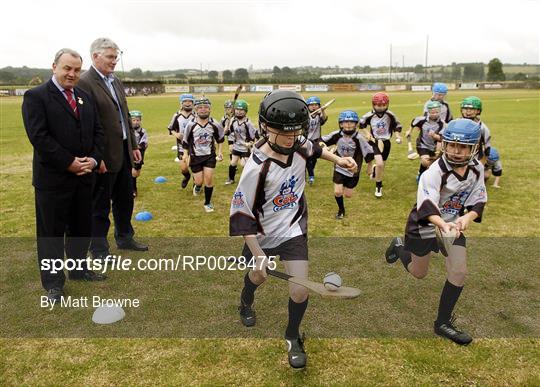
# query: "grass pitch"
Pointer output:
{"type": "Point", "coordinates": [187, 331]}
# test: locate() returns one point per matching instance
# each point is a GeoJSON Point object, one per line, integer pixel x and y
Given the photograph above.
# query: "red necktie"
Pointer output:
{"type": "Point", "coordinates": [71, 101]}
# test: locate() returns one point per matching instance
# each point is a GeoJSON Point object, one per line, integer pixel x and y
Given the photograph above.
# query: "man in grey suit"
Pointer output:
{"type": "Point", "coordinates": [114, 181]}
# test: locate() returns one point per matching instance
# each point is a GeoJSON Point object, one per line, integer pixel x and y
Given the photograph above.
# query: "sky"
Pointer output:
{"type": "Point", "coordinates": [220, 35]}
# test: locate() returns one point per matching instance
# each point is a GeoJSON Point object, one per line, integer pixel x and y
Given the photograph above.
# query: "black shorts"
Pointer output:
{"type": "Point", "coordinates": [198, 163]}
{"type": "Point", "coordinates": [294, 249]}
{"type": "Point", "coordinates": [386, 149]}
{"type": "Point", "coordinates": [425, 152]}
{"type": "Point", "coordinates": [421, 247]}
{"type": "Point", "coordinates": [347, 181]}
{"type": "Point", "coordinates": [240, 154]}
{"type": "Point", "coordinates": [493, 172]}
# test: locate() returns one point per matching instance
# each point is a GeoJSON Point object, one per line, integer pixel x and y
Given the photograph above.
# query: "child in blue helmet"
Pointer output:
{"type": "Point", "coordinates": [316, 121]}
{"type": "Point", "coordinates": [451, 194]}
{"type": "Point", "coordinates": [440, 90]}
{"type": "Point", "coordinates": [349, 143]}
{"type": "Point", "coordinates": [493, 167]}
{"type": "Point", "coordinates": [177, 127]}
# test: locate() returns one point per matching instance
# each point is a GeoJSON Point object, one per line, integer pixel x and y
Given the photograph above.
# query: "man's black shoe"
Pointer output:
{"type": "Point", "coordinates": [449, 331]}
{"type": "Point", "coordinates": [90, 276]}
{"type": "Point", "coordinates": [247, 315]}
{"type": "Point", "coordinates": [55, 294]}
{"type": "Point", "coordinates": [132, 244]}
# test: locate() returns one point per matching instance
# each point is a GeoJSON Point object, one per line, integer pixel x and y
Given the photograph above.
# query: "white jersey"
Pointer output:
{"type": "Point", "coordinates": [141, 138]}
{"type": "Point", "coordinates": [445, 114]}
{"type": "Point", "coordinates": [179, 121]}
{"type": "Point", "coordinates": [269, 201]}
{"type": "Point", "coordinates": [354, 146]}
{"type": "Point", "coordinates": [485, 138]}
{"type": "Point", "coordinates": [314, 129]}
{"type": "Point", "coordinates": [242, 132]}
{"type": "Point", "coordinates": [443, 192]}
{"type": "Point", "coordinates": [200, 139]}
{"type": "Point", "coordinates": [424, 140]}
{"type": "Point", "coordinates": [381, 127]}
{"type": "Point", "coordinates": [178, 124]}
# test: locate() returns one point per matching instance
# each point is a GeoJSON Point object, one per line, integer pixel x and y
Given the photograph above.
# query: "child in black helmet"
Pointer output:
{"type": "Point", "coordinates": [269, 208]}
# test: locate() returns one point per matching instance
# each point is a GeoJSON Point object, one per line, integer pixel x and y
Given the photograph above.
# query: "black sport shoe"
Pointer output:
{"type": "Point", "coordinates": [340, 215]}
{"type": "Point", "coordinates": [297, 354]}
{"type": "Point", "coordinates": [391, 253]}
{"type": "Point", "coordinates": [449, 331]}
{"type": "Point", "coordinates": [247, 315]}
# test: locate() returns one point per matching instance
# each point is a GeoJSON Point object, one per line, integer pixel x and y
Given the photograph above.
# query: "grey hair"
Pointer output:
{"type": "Point", "coordinates": [69, 51]}
{"type": "Point", "coordinates": [101, 44]}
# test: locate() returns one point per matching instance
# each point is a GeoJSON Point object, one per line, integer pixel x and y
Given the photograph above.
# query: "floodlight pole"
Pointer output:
{"type": "Point", "coordinates": [390, 70]}
{"type": "Point", "coordinates": [427, 45]}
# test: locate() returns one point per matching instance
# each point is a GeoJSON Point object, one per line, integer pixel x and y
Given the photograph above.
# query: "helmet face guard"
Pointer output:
{"type": "Point", "coordinates": [285, 112]}
{"type": "Point", "coordinates": [298, 142]}
{"type": "Point", "coordinates": [348, 116]}
{"type": "Point", "coordinates": [452, 160]}
{"type": "Point", "coordinates": [463, 132]}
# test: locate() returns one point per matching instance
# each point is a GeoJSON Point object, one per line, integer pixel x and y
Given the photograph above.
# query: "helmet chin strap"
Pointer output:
{"type": "Point", "coordinates": [460, 163]}
{"type": "Point", "coordinates": [455, 163]}
{"type": "Point", "coordinates": [282, 150]}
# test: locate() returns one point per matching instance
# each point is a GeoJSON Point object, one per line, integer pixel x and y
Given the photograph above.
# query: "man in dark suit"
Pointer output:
{"type": "Point", "coordinates": [114, 180]}
{"type": "Point", "coordinates": [62, 124]}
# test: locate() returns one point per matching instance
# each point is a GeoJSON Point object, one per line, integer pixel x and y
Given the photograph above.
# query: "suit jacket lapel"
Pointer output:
{"type": "Point", "coordinates": [59, 97]}
{"type": "Point", "coordinates": [102, 84]}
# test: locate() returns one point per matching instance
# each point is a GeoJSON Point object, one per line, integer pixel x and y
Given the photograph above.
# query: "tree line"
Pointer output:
{"type": "Point", "coordinates": [456, 72]}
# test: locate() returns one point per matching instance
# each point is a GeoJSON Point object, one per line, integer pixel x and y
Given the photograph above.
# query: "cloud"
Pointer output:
{"type": "Point", "coordinates": [172, 34]}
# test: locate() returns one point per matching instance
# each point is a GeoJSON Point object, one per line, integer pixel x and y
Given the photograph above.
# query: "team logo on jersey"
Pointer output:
{"type": "Point", "coordinates": [203, 139]}
{"type": "Point", "coordinates": [238, 200]}
{"type": "Point", "coordinates": [454, 205]}
{"type": "Point", "coordinates": [380, 127]}
{"type": "Point", "coordinates": [287, 198]}
{"type": "Point", "coordinates": [346, 150]}
{"type": "Point", "coordinates": [482, 192]}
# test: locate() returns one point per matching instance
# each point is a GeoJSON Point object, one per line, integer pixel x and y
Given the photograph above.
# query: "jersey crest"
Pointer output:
{"type": "Point", "coordinates": [287, 198]}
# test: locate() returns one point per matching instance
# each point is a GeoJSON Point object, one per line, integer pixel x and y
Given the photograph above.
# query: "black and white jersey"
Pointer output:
{"type": "Point", "coordinates": [445, 115]}
{"type": "Point", "coordinates": [199, 140]}
{"type": "Point", "coordinates": [426, 126]}
{"type": "Point", "coordinates": [178, 124]}
{"type": "Point", "coordinates": [314, 129]}
{"type": "Point", "coordinates": [269, 201]}
{"type": "Point", "coordinates": [141, 138]}
{"type": "Point", "coordinates": [381, 127]}
{"type": "Point", "coordinates": [242, 132]}
{"type": "Point", "coordinates": [179, 121]}
{"type": "Point", "coordinates": [354, 146]}
{"type": "Point", "coordinates": [441, 191]}
{"type": "Point", "coordinates": [225, 122]}
{"type": "Point", "coordinates": [485, 137]}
